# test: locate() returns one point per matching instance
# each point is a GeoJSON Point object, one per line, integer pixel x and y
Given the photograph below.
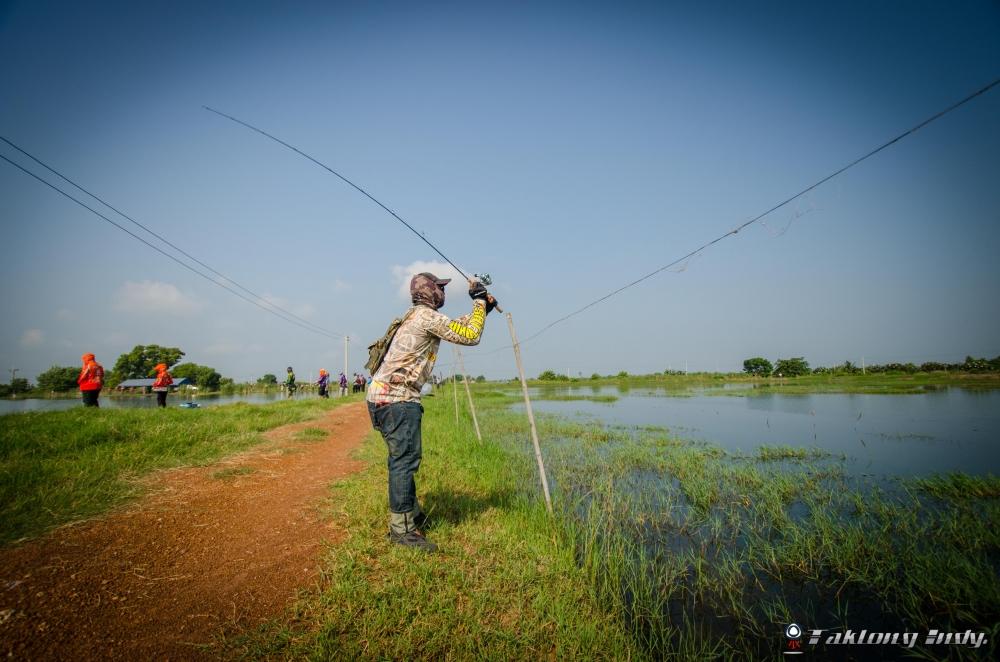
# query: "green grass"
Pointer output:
{"type": "Point", "coordinates": [57, 467]}
{"type": "Point", "coordinates": [960, 487]}
{"type": "Point", "coordinates": [505, 583]}
{"type": "Point", "coordinates": [311, 434]}
{"type": "Point", "coordinates": [660, 548]}
{"type": "Point", "coordinates": [712, 383]}
{"type": "Point", "coordinates": [233, 472]}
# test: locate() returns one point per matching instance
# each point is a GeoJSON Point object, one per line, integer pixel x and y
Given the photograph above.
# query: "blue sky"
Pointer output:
{"type": "Point", "coordinates": [566, 149]}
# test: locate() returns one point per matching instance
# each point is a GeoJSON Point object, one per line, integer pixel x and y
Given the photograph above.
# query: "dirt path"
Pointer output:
{"type": "Point", "coordinates": [224, 546]}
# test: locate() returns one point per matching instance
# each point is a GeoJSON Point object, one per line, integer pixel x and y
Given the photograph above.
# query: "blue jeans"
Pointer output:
{"type": "Point", "coordinates": [399, 424]}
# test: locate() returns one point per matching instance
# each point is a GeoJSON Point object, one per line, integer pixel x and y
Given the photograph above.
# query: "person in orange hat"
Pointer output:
{"type": "Point", "coordinates": [324, 379]}
{"type": "Point", "coordinates": [91, 380]}
{"type": "Point", "coordinates": [161, 386]}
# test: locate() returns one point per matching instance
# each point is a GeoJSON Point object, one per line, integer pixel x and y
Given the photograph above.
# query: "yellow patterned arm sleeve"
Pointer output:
{"type": "Point", "coordinates": [466, 330]}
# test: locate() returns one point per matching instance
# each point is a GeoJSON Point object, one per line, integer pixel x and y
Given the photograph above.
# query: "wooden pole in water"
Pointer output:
{"type": "Point", "coordinates": [531, 416]}
{"type": "Point", "coordinates": [468, 392]}
{"type": "Point", "coordinates": [454, 379]}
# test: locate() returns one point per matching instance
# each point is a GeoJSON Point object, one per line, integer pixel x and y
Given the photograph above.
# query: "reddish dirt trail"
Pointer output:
{"type": "Point", "coordinates": [200, 554]}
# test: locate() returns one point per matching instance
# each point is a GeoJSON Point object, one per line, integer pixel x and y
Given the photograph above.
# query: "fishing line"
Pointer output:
{"type": "Point", "coordinates": [166, 254]}
{"type": "Point", "coordinates": [342, 178]}
{"type": "Point", "coordinates": [735, 230]}
{"type": "Point", "coordinates": [163, 239]}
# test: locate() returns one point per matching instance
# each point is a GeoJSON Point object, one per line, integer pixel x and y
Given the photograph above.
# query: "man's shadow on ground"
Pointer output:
{"type": "Point", "coordinates": [454, 507]}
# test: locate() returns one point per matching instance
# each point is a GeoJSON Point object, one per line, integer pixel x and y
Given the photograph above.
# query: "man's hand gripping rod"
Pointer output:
{"type": "Point", "coordinates": [485, 279]}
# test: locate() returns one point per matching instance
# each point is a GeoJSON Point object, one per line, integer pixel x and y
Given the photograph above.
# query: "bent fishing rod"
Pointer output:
{"type": "Point", "coordinates": [485, 279]}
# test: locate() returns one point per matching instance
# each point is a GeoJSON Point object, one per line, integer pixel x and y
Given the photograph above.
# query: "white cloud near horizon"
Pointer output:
{"type": "Point", "coordinates": [32, 338]}
{"type": "Point", "coordinates": [150, 296]}
{"type": "Point", "coordinates": [402, 275]}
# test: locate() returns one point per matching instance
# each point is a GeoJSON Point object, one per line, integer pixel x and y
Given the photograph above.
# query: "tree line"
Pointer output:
{"type": "Point", "coordinates": [798, 366]}
{"type": "Point", "coordinates": [140, 363]}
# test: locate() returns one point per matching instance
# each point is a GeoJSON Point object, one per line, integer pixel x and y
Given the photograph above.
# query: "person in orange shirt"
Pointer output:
{"type": "Point", "coordinates": [324, 380]}
{"type": "Point", "coordinates": [91, 380]}
{"type": "Point", "coordinates": [161, 386]}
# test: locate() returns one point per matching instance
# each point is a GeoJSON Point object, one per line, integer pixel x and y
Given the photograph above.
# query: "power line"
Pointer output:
{"type": "Point", "coordinates": [342, 178]}
{"type": "Point", "coordinates": [168, 255]}
{"type": "Point", "coordinates": [850, 165]}
{"type": "Point", "coordinates": [164, 239]}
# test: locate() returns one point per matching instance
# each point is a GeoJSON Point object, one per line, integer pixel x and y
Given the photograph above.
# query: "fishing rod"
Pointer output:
{"type": "Point", "coordinates": [485, 279]}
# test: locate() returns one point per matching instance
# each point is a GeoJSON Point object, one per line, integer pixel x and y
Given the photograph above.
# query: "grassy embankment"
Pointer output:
{"type": "Point", "coordinates": [660, 548]}
{"type": "Point", "coordinates": [57, 467]}
{"type": "Point", "coordinates": [888, 383]}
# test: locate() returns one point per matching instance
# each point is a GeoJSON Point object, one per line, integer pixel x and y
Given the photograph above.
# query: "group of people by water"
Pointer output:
{"type": "Point", "coordinates": [91, 382]}
{"type": "Point", "coordinates": [358, 384]}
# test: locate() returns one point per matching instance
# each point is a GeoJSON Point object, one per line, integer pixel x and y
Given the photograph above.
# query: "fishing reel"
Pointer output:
{"type": "Point", "coordinates": [487, 280]}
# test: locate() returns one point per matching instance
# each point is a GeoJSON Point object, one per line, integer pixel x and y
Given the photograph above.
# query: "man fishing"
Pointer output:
{"type": "Point", "coordinates": [394, 395]}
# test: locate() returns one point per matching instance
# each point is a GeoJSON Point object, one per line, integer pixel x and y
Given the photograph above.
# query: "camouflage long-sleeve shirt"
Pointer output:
{"type": "Point", "coordinates": [410, 359]}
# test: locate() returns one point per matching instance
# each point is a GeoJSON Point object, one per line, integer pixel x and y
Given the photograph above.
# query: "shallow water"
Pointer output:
{"type": "Point", "coordinates": [882, 435]}
{"type": "Point", "coordinates": [141, 402]}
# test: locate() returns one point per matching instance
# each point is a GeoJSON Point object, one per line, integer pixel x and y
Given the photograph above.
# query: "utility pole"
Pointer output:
{"type": "Point", "coordinates": [862, 365]}
{"type": "Point", "coordinates": [13, 374]}
{"type": "Point", "coordinates": [347, 339]}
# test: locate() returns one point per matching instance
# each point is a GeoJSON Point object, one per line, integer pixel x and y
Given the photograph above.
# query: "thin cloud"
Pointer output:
{"type": "Point", "coordinates": [228, 348]}
{"type": "Point", "coordinates": [401, 275]}
{"type": "Point", "coordinates": [32, 338]}
{"type": "Point", "coordinates": [303, 310]}
{"type": "Point", "coordinates": [151, 296]}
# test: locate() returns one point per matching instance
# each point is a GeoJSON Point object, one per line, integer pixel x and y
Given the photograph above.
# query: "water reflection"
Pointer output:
{"type": "Point", "coordinates": [139, 402]}
{"type": "Point", "coordinates": [937, 431]}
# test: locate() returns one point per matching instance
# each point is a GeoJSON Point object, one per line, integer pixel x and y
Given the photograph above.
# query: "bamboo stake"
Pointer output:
{"type": "Point", "coordinates": [531, 416]}
{"type": "Point", "coordinates": [454, 379]}
{"type": "Point", "coordinates": [468, 392]}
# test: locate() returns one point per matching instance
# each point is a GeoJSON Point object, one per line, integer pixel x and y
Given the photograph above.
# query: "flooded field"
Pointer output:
{"type": "Point", "coordinates": [715, 518]}
{"type": "Point", "coordinates": [901, 435]}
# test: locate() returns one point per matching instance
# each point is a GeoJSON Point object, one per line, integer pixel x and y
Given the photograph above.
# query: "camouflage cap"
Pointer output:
{"type": "Point", "coordinates": [428, 289]}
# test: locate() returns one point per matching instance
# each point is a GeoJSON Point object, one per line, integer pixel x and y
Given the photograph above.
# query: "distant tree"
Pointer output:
{"type": "Point", "coordinates": [268, 379]}
{"type": "Point", "coordinates": [481, 378]}
{"type": "Point", "coordinates": [204, 377]}
{"type": "Point", "coordinates": [58, 379]}
{"type": "Point", "coordinates": [20, 385]}
{"type": "Point", "coordinates": [975, 365]}
{"type": "Point", "coordinates": [758, 367]}
{"type": "Point", "coordinates": [793, 367]}
{"type": "Point", "coordinates": [595, 376]}
{"type": "Point", "coordinates": [848, 368]}
{"type": "Point", "coordinates": [932, 366]}
{"type": "Point", "coordinates": [622, 375]}
{"type": "Point", "coordinates": [548, 376]}
{"type": "Point", "coordinates": [141, 362]}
